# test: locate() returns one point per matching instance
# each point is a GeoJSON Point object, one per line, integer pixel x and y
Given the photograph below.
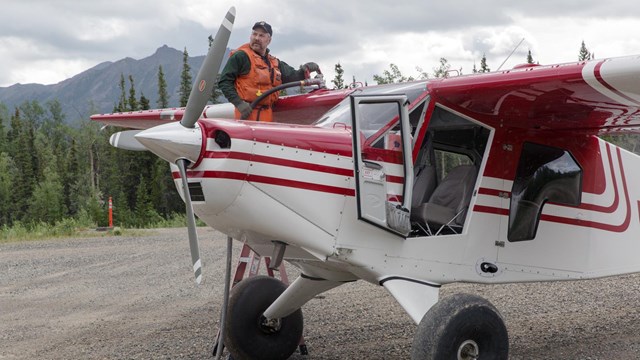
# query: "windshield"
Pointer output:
{"type": "Point", "coordinates": [341, 113]}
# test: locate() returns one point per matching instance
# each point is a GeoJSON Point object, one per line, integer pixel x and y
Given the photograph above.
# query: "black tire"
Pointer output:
{"type": "Point", "coordinates": [458, 324]}
{"type": "Point", "coordinates": [245, 337]}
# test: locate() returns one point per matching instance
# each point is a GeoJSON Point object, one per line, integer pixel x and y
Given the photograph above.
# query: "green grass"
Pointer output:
{"type": "Point", "coordinates": [82, 227]}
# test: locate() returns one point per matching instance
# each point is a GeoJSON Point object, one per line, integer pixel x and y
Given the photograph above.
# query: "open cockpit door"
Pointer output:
{"type": "Point", "coordinates": [383, 160]}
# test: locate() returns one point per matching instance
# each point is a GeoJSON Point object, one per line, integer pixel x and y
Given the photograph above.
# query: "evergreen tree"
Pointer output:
{"type": "Point", "coordinates": [92, 157]}
{"type": "Point", "coordinates": [46, 204]}
{"type": "Point", "coordinates": [185, 79]}
{"type": "Point", "coordinates": [144, 212]}
{"type": "Point", "coordinates": [45, 158]}
{"type": "Point", "coordinates": [474, 70]}
{"type": "Point", "coordinates": [163, 95]}
{"type": "Point", "coordinates": [164, 196]}
{"type": "Point", "coordinates": [57, 132]}
{"type": "Point", "coordinates": [484, 68]}
{"type": "Point", "coordinates": [442, 70]}
{"type": "Point", "coordinates": [584, 53]}
{"type": "Point", "coordinates": [70, 176]}
{"type": "Point", "coordinates": [144, 102]}
{"type": "Point", "coordinates": [4, 141]}
{"type": "Point", "coordinates": [338, 81]}
{"type": "Point", "coordinates": [122, 102]}
{"type": "Point", "coordinates": [133, 102]}
{"type": "Point", "coordinates": [122, 215]}
{"type": "Point", "coordinates": [529, 57]}
{"type": "Point", "coordinates": [21, 149]}
{"type": "Point", "coordinates": [8, 173]}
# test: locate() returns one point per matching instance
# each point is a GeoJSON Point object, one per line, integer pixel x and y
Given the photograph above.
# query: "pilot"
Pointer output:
{"type": "Point", "coordinates": [251, 70]}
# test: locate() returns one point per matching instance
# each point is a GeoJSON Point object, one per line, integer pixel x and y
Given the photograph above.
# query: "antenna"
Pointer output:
{"type": "Point", "coordinates": [512, 51]}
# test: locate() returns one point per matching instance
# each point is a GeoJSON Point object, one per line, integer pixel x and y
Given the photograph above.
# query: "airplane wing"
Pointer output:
{"type": "Point", "coordinates": [298, 109]}
{"type": "Point", "coordinates": [593, 97]}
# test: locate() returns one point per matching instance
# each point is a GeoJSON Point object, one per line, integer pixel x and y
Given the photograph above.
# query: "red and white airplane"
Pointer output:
{"type": "Point", "coordinates": [487, 178]}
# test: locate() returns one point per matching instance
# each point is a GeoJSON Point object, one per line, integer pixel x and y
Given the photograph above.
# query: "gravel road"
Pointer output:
{"type": "Point", "coordinates": [133, 297]}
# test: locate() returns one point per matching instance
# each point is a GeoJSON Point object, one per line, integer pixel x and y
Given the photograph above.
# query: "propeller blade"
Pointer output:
{"type": "Point", "coordinates": [208, 73]}
{"type": "Point", "coordinates": [191, 221]}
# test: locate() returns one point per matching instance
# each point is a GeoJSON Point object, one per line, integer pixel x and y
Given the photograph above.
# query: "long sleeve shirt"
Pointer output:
{"type": "Point", "coordinates": [239, 64]}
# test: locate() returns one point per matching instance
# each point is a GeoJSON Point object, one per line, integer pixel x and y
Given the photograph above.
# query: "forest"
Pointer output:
{"type": "Point", "coordinates": [56, 178]}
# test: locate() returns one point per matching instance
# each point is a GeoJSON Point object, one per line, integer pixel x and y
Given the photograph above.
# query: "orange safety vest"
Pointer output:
{"type": "Point", "coordinates": [260, 78]}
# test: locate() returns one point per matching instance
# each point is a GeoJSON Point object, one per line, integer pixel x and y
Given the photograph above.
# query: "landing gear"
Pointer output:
{"type": "Point", "coordinates": [249, 335]}
{"type": "Point", "coordinates": [462, 327]}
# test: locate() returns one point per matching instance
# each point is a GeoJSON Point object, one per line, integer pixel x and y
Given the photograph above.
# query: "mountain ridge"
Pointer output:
{"type": "Point", "coordinates": [96, 90]}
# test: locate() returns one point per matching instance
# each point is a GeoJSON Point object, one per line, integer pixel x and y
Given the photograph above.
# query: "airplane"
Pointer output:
{"type": "Point", "coordinates": [485, 178]}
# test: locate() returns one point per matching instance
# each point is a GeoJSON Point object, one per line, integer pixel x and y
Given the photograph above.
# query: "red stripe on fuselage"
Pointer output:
{"type": "Point", "coordinates": [279, 161]}
{"type": "Point", "coordinates": [268, 180]}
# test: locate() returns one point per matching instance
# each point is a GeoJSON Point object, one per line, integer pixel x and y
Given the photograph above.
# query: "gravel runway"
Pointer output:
{"type": "Point", "coordinates": [134, 297]}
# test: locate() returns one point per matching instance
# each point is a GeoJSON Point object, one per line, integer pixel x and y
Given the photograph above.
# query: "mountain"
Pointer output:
{"type": "Point", "coordinates": [97, 90]}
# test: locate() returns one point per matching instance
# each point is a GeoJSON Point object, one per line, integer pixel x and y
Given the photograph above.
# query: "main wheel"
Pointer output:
{"type": "Point", "coordinates": [462, 327]}
{"type": "Point", "coordinates": [248, 334]}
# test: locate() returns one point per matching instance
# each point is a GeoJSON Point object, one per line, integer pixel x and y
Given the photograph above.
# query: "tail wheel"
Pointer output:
{"type": "Point", "coordinates": [463, 327]}
{"type": "Point", "coordinates": [250, 335]}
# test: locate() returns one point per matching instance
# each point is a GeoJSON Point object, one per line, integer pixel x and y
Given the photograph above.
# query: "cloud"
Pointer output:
{"type": "Point", "coordinates": [67, 36]}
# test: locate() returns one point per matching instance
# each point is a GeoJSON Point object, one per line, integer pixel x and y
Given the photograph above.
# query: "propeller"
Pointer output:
{"type": "Point", "coordinates": [202, 88]}
{"type": "Point", "coordinates": [208, 72]}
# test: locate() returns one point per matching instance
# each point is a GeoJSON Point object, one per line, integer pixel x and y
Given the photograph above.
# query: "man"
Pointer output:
{"type": "Point", "coordinates": [251, 71]}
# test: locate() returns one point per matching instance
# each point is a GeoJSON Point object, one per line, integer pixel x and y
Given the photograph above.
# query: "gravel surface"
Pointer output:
{"type": "Point", "coordinates": [134, 297]}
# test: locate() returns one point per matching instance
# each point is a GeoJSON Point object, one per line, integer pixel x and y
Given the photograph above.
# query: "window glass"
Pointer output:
{"type": "Point", "coordinates": [341, 113]}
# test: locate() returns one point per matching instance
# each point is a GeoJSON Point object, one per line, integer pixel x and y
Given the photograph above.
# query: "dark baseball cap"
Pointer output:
{"type": "Point", "coordinates": [263, 25]}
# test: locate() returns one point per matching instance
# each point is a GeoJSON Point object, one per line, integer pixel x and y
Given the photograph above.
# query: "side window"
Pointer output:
{"type": "Point", "coordinates": [544, 174]}
{"type": "Point", "coordinates": [447, 160]}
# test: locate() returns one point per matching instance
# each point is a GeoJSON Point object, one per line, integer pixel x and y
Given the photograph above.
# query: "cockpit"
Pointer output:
{"type": "Point", "coordinates": [377, 116]}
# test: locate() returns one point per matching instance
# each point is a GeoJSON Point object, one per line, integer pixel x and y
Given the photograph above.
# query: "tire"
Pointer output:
{"type": "Point", "coordinates": [245, 337]}
{"type": "Point", "coordinates": [459, 326]}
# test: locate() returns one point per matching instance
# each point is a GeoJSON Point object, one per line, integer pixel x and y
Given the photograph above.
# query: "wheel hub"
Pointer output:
{"type": "Point", "coordinates": [468, 350]}
{"type": "Point", "coordinates": [269, 326]}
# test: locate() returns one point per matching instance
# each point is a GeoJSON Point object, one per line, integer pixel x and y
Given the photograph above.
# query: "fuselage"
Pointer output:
{"type": "Point", "coordinates": [297, 184]}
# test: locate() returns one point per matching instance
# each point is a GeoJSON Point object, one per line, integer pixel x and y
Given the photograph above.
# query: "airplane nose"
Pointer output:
{"type": "Point", "coordinates": [173, 141]}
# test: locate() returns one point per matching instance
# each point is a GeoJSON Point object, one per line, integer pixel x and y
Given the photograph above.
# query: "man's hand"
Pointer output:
{"type": "Point", "coordinates": [309, 68]}
{"type": "Point", "coordinates": [245, 110]}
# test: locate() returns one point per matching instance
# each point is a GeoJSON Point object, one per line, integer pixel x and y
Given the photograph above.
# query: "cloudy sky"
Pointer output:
{"type": "Point", "coordinates": [44, 41]}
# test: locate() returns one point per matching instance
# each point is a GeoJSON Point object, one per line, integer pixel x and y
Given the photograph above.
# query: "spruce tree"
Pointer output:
{"type": "Point", "coordinates": [8, 173]}
{"type": "Point", "coordinates": [338, 81]}
{"type": "Point", "coordinates": [47, 203]}
{"type": "Point", "coordinates": [22, 151]}
{"type": "Point", "coordinates": [122, 102]}
{"type": "Point", "coordinates": [185, 79]}
{"type": "Point", "coordinates": [144, 102]}
{"type": "Point", "coordinates": [144, 213]}
{"type": "Point", "coordinates": [584, 53]}
{"type": "Point", "coordinates": [484, 68]}
{"type": "Point", "coordinates": [4, 141]}
{"type": "Point", "coordinates": [133, 102]}
{"type": "Point", "coordinates": [163, 95]}
{"type": "Point", "coordinates": [529, 57]}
